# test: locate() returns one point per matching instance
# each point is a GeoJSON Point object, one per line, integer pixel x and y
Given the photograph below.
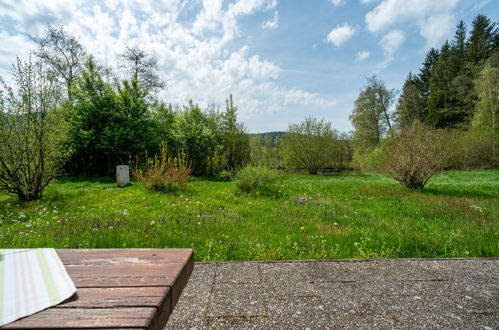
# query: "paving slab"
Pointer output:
{"type": "Point", "coordinates": [341, 294]}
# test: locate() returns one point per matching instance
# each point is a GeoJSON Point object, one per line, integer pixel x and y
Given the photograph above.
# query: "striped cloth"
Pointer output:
{"type": "Point", "coordinates": [31, 280]}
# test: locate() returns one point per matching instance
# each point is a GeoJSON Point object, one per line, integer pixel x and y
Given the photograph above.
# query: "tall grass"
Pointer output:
{"type": "Point", "coordinates": [306, 217]}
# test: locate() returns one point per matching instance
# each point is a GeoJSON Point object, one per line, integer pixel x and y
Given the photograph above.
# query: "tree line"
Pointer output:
{"type": "Point", "coordinates": [67, 113]}
{"type": "Point", "coordinates": [455, 90]}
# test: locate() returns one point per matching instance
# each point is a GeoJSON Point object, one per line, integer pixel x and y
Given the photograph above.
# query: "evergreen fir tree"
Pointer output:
{"type": "Point", "coordinates": [411, 105]}
{"type": "Point", "coordinates": [483, 41]}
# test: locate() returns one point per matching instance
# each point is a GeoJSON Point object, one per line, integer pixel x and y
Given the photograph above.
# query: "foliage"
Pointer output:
{"type": "Point", "coordinates": [479, 143]}
{"type": "Point", "coordinates": [417, 154]}
{"type": "Point", "coordinates": [483, 40]}
{"type": "Point", "coordinates": [33, 131]}
{"type": "Point", "coordinates": [197, 132]}
{"type": "Point", "coordinates": [253, 178]}
{"type": "Point", "coordinates": [411, 104]}
{"type": "Point", "coordinates": [163, 172]}
{"type": "Point", "coordinates": [63, 53]}
{"type": "Point", "coordinates": [225, 175]}
{"type": "Point", "coordinates": [141, 67]}
{"type": "Point", "coordinates": [370, 116]}
{"type": "Point", "coordinates": [235, 139]}
{"type": "Point", "coordinates": [476, 150]}
{"type": "Point", "coordinates": [341, 151]}
{"type": "Point", "coordinates": [266, 150]}
{"type": "Point", "coordinates": [111, 123]}
{"type": "Point", "coordinates": [308, 144]}
{"type": "Point", "coordinates": [343, 216]}
{"type": "Point", "coordinates": [213, 141]}
{"type": "Point", "coordinates": [442, 94]}
{"type": "Point", "coordinates": [369, 160]}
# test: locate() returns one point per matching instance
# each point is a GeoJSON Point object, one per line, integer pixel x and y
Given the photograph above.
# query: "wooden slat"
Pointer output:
{"type": "Point", "coordinates": [119, 297]}
{"type": "Point", "coordinates": [125, 270]}
{"type": "Point", "coordinates": [60, 318]}
{"type": "Point", "coordinates": [79, 256]}
{"type": "Point", "coordinates": [181, 280]}
{"type": "Point", "coordinates": [118, 288]}
{"type": "Point", "coordinates": [114, 282]}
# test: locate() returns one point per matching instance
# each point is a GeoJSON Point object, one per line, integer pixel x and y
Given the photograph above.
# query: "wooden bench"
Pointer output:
{"type": "Point", "coordinates": [118, 289]}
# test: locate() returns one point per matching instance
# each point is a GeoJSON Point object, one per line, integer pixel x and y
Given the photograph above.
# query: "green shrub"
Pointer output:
{"type": "Point", "coordinates": [252, 178]}
{"type": "Point", "coordinates": [417, 154]}
{"type": "Point", "coordinates": [369, 160]}
{"type": "Point", "coordinates": [162, 172]}
{"type": "Point", "coordinates": [225, 175]}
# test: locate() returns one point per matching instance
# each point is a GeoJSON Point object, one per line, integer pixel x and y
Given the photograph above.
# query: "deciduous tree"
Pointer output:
{"type": "Point", "coordinates": [62, 53]}
{"type": "Point", "coordinates": [33, 131]}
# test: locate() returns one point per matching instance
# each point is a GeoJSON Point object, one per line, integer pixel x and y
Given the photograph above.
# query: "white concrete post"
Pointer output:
{"type": "Point", "coordinates": [122, 175]}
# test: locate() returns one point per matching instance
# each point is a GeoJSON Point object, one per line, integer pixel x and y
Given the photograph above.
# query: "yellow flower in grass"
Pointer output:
{"type": "Point", "coordinates": [302, 228]}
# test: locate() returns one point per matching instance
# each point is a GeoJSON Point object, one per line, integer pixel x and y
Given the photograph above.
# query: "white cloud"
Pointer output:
{"type": "Point", "coordinates": [272, 24]}
{"type": "Point", "coordinates": [338, 2]}
{"type": "Point", "coordinates": [340, 34]}
{"type": "Point", "coordinates": [434, 19]}
{"type": "Point", "coordinates": [362, 56]}
{"type": "Point", "coordinates": [202, 59]}
{"type": "Point", "coordinates": [390, 43]}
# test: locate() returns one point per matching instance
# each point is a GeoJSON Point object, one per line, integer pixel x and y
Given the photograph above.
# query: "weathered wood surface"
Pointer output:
{"type": "Point", "coordinates": [117, 289]}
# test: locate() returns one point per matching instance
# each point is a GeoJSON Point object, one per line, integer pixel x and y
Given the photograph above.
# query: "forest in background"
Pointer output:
{"type": "Point", "coordinates": [68, 114]}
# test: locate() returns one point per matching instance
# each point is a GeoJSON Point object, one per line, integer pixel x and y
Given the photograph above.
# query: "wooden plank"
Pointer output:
{"type": "Point", "coordinates": [72, 260]}
{"type": "Point", "coordinates": [116, 282]}
{"type": "Point", "coordinates": [177, 288]}
{"type": "Point", "coordinates": [182, 279]}
{"type": "Point", "coordinates": [173, 255]}
{"type": "Point", "coordinates": [81, 318]}
{"type": "Point", "coordinates": [125, 270]}
{"type": "Point", "coordinates": [119, 297]}
{"type": "Point", "coordinates": [118, 288]}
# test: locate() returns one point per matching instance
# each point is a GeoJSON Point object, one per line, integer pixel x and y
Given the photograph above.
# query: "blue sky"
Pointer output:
{"type": "Point", "coordinates": [281, 59]}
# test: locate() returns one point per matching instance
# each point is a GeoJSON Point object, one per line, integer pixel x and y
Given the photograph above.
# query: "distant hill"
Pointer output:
{"type": "Point", "coordinates": [273, 135]}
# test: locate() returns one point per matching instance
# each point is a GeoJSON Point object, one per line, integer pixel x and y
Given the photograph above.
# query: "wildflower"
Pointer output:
{"type": "Point", "coordinates": [477, 208]}
{"type": "Point", "coordinates": [66, 245]}
{"type": "Point", "coordinates": [302, 228]}
{"type": "Point", "coordinates": [152, 222]}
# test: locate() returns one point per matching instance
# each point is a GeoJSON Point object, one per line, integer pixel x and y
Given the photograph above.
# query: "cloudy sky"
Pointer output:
{"type": "Point", "coordinates": [281, 59]}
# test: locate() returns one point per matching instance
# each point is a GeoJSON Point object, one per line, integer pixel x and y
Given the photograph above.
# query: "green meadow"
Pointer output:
{"type": "Point", "coordinates": [299, 217]}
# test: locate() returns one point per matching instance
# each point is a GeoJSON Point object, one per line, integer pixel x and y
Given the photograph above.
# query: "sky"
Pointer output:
{"type": "Point", "coordinates": [282, 60]}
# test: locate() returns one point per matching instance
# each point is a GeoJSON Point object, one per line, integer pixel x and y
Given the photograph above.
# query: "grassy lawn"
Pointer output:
{"type": "Point", "coordinates": [305, 217]}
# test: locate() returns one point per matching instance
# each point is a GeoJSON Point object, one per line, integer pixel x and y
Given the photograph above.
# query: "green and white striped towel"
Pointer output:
{"type": "Point", "coordinates": [31, 280]}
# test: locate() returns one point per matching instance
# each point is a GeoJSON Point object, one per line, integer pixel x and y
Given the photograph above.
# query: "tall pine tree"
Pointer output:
{"type": "Point", "coordinates": [483, 41]}
{"type": "Point", "coordinates": [411, 104]}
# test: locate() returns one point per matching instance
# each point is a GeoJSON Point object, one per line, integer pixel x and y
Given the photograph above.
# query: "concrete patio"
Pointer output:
{"type": "Point", "coordinates": [384, 293]}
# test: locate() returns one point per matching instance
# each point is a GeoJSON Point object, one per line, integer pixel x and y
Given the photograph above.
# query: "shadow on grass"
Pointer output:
{"type": "Point", "coordinates": [461, 192]}
{"type": "Point", "coordinates": [207, 178]}
{"type": "Point", "coordinates": [81, 179]}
